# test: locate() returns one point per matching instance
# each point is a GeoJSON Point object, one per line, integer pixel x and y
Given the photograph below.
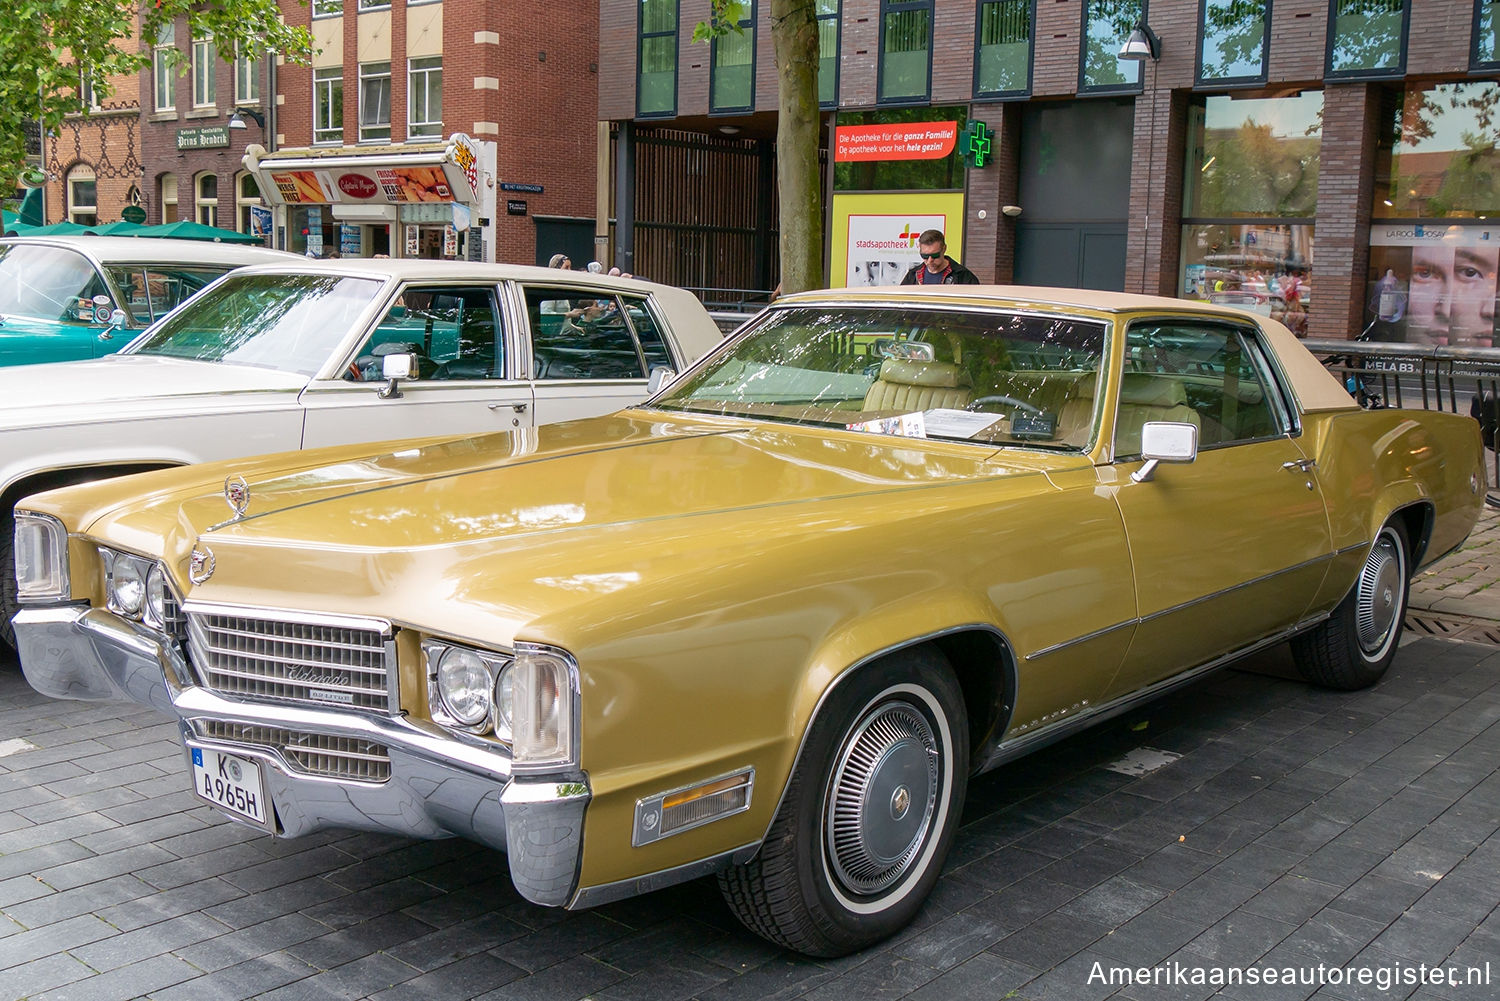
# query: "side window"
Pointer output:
{"type": "Point", "coordinates": [1212, 376]}
{"type": "Point", "coordinates": [454, 332]}
{"type": "Point", "coordinates": [169, 287]}
{"type": "Point", "coordinates": [581, 335]}
{"type": "Point", "coordinates": [648, 333]}
{"type": "Point", "coordinates": [134, 290]}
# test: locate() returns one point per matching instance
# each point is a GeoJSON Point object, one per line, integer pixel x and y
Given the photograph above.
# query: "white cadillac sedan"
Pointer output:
{"type": "Point", "coordinates": [308, 354]}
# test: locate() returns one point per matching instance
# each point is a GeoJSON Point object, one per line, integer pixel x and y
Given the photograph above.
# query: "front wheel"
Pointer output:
{"type": "Point", "coordinates": [869, 813]}
{"type": "Point", "coordinates": [1352, 648]}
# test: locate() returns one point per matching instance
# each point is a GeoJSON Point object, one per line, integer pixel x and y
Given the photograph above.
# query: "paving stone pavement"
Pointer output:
{"type": "Point", "coordinates": [1467, 582]}
{"type": "Point", "coordinates": [1298, 827]}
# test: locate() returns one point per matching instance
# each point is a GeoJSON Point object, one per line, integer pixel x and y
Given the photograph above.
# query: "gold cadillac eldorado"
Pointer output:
{"type": "Point", "coordinates": [768, 623]}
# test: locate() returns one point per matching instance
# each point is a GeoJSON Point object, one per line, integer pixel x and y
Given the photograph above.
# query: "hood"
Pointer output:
{"type": "Point", "coordinates": [127, 385]}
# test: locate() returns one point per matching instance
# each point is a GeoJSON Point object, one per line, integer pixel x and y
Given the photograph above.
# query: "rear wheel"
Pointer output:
{"type": "Point", "coordinates": [869, 814]}
{"type": "Point", "coordinates": [1354, 646]}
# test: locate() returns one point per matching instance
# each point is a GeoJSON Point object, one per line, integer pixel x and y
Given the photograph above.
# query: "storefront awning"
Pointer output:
{"type": "Point", "coordinates": [354, 175]}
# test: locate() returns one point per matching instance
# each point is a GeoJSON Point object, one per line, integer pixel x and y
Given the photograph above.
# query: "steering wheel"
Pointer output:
{"type": "Point", "coordinates": [1010, 401]}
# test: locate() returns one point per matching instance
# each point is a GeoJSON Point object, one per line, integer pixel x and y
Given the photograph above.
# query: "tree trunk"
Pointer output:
{"type": "Point", "coordinates": [794, 33]}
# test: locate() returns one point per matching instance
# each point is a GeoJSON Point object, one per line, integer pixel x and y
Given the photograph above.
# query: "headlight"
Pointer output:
{"type": "Point", "coordinates": [125, 582]}
{"type": "Point", "coordinates": [41, 557]}
{"type": "Point", "coordinates": [463, 683]}
{"type": "Point", "coordinates": [156, 597]}
{"type": "Point", "coordinates": [545, 719]}
{"type": "Point", "coordinates": [505, 704]}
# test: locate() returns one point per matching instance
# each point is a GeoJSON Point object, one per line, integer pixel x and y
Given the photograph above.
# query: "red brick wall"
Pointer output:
{"type": "Point", "coordinates": [1346, 177]}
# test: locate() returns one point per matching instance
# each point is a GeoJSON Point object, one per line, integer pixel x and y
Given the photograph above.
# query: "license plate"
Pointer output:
{"type": "Point", "coordinates": [231, 783]}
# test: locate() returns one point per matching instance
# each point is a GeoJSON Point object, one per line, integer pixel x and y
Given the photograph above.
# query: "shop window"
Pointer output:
{"type": "Point", "coordinates": [83, 196]}
{"type": "Point", "coordinates": [167, 188]}
{"type": "Point", "coordinates": [328, 105]}
{"type": "Point", "coordinates": [424, 97]}
{"type": "Point", "coordinates": [246, 194]}
{"type": "Point", "coordinates": [1232, 48]}
{"type": "Point", "coordinates": [163, 63]}
{"type": "Point", "coordinates": [731, 85]}
{"type": "Point", "coordinates": [375, 102]}
{"type": "Point", "coordinates": [1366, 38]}
{"type": "Point", "coordinates": [828, 52]}
{"type": "Point", "coordinates": [246, 80]}
{"type": "Point", "coordinates": [1002, 61]}
{"type": "Point", "coordinates": [206, 199]}
{"type": "Point", "coordinates": [205, 55]}
{"type": "Point", "coordinates": [1249, 202]}
{"type": "Point", "coordinates": [1106, 26]}
{"type": "Point", "coordinates": [905, 50]}
{"type": "Point", "coordinates": [656, 78]}
{"type": "Point", "coordinates": [1485, 54]}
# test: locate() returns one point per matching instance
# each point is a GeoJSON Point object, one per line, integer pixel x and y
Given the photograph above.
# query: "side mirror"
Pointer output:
{"type": "Point", "coordinates": [394, 368]}
{"type": "Point", "coordinates": [660, 378]}
{"type": "Point", "coordinates": [1165, 441]}
{"type": "Point", "coordinates": [117, 320]}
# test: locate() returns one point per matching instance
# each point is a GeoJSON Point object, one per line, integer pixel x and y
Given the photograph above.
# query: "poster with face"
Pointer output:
{"type": "Point", "coordinates": [1433, 284]}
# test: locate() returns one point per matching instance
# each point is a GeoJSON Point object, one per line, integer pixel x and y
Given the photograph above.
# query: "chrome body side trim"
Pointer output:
{"type": "Point", "coordinates": [608, 893]}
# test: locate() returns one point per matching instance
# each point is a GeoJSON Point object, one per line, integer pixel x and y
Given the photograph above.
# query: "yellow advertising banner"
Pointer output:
{"type": "Point", "coordinates": [875, 235]}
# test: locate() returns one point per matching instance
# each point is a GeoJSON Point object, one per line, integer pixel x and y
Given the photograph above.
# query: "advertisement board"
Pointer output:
{"type": "Point", "coordinates": [895, 141]}
{"type": "Point", "coordinates": [1433, 284]}
{"type": "Point", "coordinates": [875, 235]}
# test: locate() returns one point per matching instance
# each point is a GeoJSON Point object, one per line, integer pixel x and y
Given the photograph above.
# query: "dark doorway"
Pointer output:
{"type": "Point", "coordinates": [1075, 193]}
{"type": "Point", "coordinates": [556, 235]}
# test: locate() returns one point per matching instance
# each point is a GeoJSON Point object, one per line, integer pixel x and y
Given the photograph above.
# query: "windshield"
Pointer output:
{"type": "Point", "coordinates": [989, 376]}
{"type": "Point", "coordinates": [288, 322]}
{"type": "Point", "coordinates": [48, 283]}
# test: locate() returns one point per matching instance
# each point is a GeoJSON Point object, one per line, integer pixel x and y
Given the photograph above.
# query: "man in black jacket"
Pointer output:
{"type": "Point", "coordinates": [937, 268]}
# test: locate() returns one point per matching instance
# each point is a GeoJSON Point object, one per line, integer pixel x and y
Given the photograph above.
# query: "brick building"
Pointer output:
{"type": "Point", "coordinates": [1329, 162]}
{"type": "Point", "coordinates": [93, 160]}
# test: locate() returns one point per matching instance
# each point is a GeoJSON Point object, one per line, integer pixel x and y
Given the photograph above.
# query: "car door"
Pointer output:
{"type": "Point", "coordinates": [465, 382]}
{"type": "Point", "coordinates": [590, 351]}
{"type": "Point", "coordinates": [1230, 548]}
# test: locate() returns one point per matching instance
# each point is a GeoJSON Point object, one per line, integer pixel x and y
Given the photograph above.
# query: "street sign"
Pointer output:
{"type": "Point", "coordinates": [133, 213]}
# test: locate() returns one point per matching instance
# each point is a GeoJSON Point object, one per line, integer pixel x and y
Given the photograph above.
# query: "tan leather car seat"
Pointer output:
{"type": "Point", "coordinates": [1144, 397]}
{"type": "Point", "coordinates": [919, 385]}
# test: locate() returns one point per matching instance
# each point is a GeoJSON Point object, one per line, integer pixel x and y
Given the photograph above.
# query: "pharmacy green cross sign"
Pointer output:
{"type": "Point", "coordinates": [975, 144]}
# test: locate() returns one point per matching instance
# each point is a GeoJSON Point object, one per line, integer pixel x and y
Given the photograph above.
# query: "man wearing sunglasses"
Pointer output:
{"type": "Point", "coordinates": [937, 268]}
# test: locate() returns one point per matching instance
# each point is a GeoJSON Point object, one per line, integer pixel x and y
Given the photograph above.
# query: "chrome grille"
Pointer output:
{"type": "Point", "coordinates": [328, 665]}
{"type": "Point", "coordinates": [348, 758]}
{"type": "Point", "coordinates": [174, 622]}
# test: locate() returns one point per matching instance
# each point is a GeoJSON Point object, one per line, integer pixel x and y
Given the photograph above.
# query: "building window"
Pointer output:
{"type": "Point", "coordinates": [374, 4]}
{"type": "Point", "coordinates": [905, 50]}
{"type": "Point", "coordinates": [206, 198]}
{"type": "Point", "coordinates": [163, 61]}
{"type": "Point", "coordinates": [731, 85]}
{"type": "Point", "coordinates": [828, 52]}
{"type": "Point", "coordinates": [375, 102]}
{"type": "Point", "coordinates": [246, 194]}
{"type": "Point", "coordinates": [1366, 38]}
{"type": "Point", "coordinates": [327, 8]}
{"type": "Point", "coordinates": [328, 105]}
{"type": "Point", "coordinates": [1249, 204]}
{"type": "Point", "coordinates": [1002, 62]}
{"type": "Point", "coordinates": [424, 97]}
{"type": "Point", "coordinates": [656, 79]}
{"type": "Point", "coordinates": [88, 100]}
{"type": "Point", "coordinates": [168, 197]}
{"type": "Point", "coordinates": [1232, 48]}
{"type": "Point", "coordinates": [83, 196]}
{"type": "Point", "coordinates": [1106, 26]}
{"type": "Point", "coordinates": [246, 80]}
{"type": "Point", "coordinates": [205, 55]}
{"type": "Point", "coordinates": [1486, 50]}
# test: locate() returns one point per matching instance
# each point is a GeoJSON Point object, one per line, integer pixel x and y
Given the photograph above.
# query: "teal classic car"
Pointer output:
{"type": "Point", "coordinates": [70, 297]}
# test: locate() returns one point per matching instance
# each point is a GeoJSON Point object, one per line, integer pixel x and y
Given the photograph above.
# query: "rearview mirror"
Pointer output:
{"type": "Point", "coordinates": [1165, 441]}
{"type": "Point", "coordinates": [660, 377]}
{"type": "Point", "coordinates": [394, 368]}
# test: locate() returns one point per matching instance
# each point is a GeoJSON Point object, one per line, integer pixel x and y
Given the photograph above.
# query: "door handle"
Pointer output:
{"type": "Point", "coordinates": [519, 408]}
{"type": "Point", "coordinates": [1301, 465]}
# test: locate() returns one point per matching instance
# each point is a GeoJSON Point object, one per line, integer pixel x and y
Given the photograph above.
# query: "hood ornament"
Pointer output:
{"type": "Point", "coordinates": [200, 564]}
{"type": "Point", "coordinates": [237, 495]}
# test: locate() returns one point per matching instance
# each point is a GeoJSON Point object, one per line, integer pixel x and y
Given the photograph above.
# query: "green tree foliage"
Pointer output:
{"type": "Point", "coordinates": [48, 48]}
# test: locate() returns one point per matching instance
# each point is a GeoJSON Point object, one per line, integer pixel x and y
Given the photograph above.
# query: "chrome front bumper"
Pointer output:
{"type": "Point", "coordinates": [438, 785]}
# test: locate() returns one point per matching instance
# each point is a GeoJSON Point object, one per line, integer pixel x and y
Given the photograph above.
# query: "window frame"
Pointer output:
{"type": "Point", "coordinates": [640, 46]}
{"type": "Point", "coordinates": [327, 8]}
{"type": "Point", "coordinates": [1000, 95]}
{"type": "Point", "coordinates": [206, 49]}
{"type": "Point", "coordinates": [246, 79]}
{"type": "Point", "coordinates": [163, 58]}
{"type": "Point", "coordinates": [1354, 76]}
{"type": "Point", "coordinates": [376, 127]}
{"type": "Point", "coordinates": [412, 124]}
{"type": "Point", "coordinates": [166, 184]}
{"type": "Point", "coordinates": [748, 28]}
{"type": "Point", "coordinates": [242, 202]}
{"type": "Point", "coordinates": [203, 204]}
{"type": "Point", "coordinates": [78, 173]}
{"type": "Point", "coordinates": [1475, 63]}
{"type": "Point", "coordinates": [837, 17]}
{"type": "Point", "coordinates": [545, 291]}
{"type": "Point", "coordinates": [504, 344]}
{"type": "Point", "coordinates": [328, 84]}
{"type": "Point", "coordinates": [1199, 80]}
{"type": "Point", "coordinates": [885, 8]}
{"type": "Point", "coordinates": [1138, 87]}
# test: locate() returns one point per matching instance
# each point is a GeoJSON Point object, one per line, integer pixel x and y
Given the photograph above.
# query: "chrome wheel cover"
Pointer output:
{"type": "Point", "coordinates": [882, 797]}
{"type": "Point", "coordinates": [1378, 594]}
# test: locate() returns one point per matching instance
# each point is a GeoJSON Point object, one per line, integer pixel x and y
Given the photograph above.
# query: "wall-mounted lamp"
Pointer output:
{"type": "Point", "coordinates": [238, 122]}
{"type": "Point", "coordinates": [730, 130]}
{"type": "Point", "coordinates": [1142, 44]}
{"type": "Point", "coordinates": [1011, 210]}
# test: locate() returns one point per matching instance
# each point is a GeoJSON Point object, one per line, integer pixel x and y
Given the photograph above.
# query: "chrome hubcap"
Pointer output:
{"type": "Point", "coordinates": [1378, 598]}
{"type": "Point", "coordinates": [882, 798]}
